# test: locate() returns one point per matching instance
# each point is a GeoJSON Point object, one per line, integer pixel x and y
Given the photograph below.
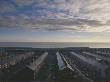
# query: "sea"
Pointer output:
{"type": "Point", "coordinates": [55, 44]}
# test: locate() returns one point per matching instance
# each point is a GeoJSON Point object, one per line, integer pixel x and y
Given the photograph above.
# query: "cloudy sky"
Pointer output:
{"type": "Point", "coordinates": [54, 20]}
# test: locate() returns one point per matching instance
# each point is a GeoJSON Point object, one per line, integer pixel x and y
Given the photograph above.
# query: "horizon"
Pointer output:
{"type": "Point", "coordinates": [54, 42]}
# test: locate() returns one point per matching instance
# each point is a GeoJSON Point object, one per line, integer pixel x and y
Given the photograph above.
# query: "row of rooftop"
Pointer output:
{"type": "Point", "coordinates": [90, 64]}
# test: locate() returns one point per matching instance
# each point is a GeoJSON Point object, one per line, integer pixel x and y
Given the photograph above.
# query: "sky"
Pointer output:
{"type": "Point", "coordinates": [54, 20]}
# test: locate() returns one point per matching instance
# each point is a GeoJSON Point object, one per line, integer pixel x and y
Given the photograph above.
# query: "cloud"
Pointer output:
{"type": "Point", "coordinates": [6, 7]}
{"type": "Point", "coordinates": [53, 24]}
{"type": "Point", "coordinates": [68, 8]}
{"type": "Point", "coordinates": [96, 9]}
{"type": "Point", "coordinates": [72, 15]}
{"type": "Point", "coordinates": [24, 2]}
{"type": "Point", "coordinates": [25, 20]}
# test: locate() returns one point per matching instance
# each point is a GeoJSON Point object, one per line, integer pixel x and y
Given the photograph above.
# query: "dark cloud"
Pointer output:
{"type": "Point", "coordinates": [49, 24]}
{"type": "Point", "coordinates": [8, 21]}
